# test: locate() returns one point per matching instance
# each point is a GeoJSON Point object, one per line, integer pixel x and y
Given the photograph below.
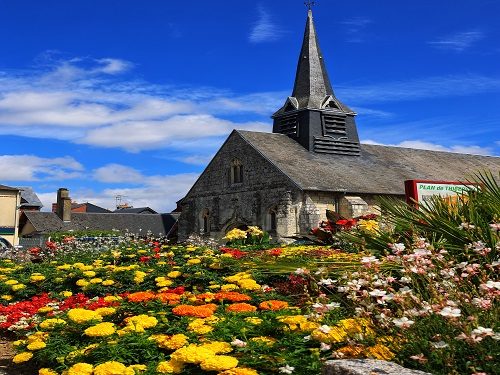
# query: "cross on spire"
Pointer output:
{"type": "Point", "coordinates": [309, 4]}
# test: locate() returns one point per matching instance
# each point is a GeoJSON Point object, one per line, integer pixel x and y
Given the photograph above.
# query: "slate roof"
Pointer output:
{"type": "Point", "coordinates": [89, 207]}
{"type": "Point", "coordinates": [9, 188]}
{"type": "Point", "coordinates": [136, 210]}
{"type": "Point", "coordinates": [158, 224]}
{"type": "Point", "coordinates": [378, 170]}
{"type": "Point", "coordinates": [29, 197]}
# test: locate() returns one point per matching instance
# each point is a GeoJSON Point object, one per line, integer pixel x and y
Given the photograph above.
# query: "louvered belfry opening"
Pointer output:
{"type": "Point", "coordinates": [312, 115]}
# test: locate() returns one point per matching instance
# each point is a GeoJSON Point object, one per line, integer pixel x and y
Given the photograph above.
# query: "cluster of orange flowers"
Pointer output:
{"type": "Point", "coordinates": [241, 308]}
{"type": "Point", "coordinates": [201, 311]}
{"type": "Point", "coordinates": [273, 305]}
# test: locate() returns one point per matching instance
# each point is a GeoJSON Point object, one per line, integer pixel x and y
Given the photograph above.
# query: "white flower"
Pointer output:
{"type": "Point", "coordinates": [405, 280]}
{"type": "Point", "coordinates": [481, 331]}
{"type": "Point", "coordinates": [403, 322]}
{"type": "Point", "coordinates": [450, 312]}
{"type": "Point", "coordinates": [325, 347]}
{"type": "Point", "coordinates": [238, 343]}
{"type": "Point", "coordinates": [286, 369]}
{"type": "Point", "coordinates": [398, 247]}
{"type": "Point", "coordinates": [326, 282]}
{"type": "Point", "coordinates": [493, 284]}
{"type": "Point", "coordinates": [324, 329]}
{"type": "Point", "coordinates": [439, 345]}
{"type": "Point", "coordinates": [332, 305]}
{"type": "Point", "coordinates": [300, 271]}
{"type": "Point", "coordinates": [307, 338]}
{"type": "Point", "coordinates": [377, 293]}
{"type": "Point", "coordinates": [371, 259]}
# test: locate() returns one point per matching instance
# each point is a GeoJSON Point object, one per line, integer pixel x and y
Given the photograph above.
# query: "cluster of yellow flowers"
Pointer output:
{"type": "Point", "coordinates": [369, 226]}
{"type": "Point", "coordinates": [243, 280]}
{"type": "Point", "coordinates": [346, 328]}
{"type": "Point", "coordinates": [82, 315]}
{"type": "Point", "coordinates": [138, 323]}
{"type": "Point", "coordinates": [235, 234]}
{"type": "Point", "coordinates": [298, 323]}
{"type": "Point", "coordinates": [101, 330]}
{"type": "Point", "coordinates": [209, 356]}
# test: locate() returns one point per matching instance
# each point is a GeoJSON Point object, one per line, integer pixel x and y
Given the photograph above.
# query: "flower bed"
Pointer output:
{"type": "Point", "coordinates": [143, 307]}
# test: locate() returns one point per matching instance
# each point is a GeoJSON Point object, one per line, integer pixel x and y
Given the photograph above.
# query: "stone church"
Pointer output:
{"type": "Point", "coordinates": [285, 181]}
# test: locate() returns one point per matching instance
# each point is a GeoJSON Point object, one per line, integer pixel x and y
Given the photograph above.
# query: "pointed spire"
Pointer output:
{"type": "Point", "coordinates": [312, 84]}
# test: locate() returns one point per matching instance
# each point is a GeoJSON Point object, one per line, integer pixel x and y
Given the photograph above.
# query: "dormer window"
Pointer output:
{"type": "Point", "coordinates": [236, 173]}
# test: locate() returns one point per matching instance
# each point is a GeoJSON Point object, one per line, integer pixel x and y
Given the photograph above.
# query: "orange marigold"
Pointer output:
{"type": "Point", "coordinates": [273, 305]}
{"type": "Point", "coordinates": [141, 296]}
{"type": "Point", "coordinates": [241, 307]}
{"type": "Point", "coordinates": [232, 296]}
{"type": "Point", "coordinates": [170, 298]}
{"type": "Point", "coordinates": [202, 311]}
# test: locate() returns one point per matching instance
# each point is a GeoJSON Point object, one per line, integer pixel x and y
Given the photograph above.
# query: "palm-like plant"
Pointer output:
{"type": "Point", "coordinates": [470, 219]}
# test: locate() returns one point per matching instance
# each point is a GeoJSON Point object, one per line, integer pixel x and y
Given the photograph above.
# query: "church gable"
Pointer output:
{"type": "Point", "coordinates": [239, 187]}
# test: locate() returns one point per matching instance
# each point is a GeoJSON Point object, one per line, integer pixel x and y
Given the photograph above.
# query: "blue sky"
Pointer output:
{"type": "Point", "coordinates": [132, 98]}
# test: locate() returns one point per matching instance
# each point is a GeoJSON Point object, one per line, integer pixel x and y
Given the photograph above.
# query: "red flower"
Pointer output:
{"type": "Point", "coordinates": [144, 259]}
{"type": "Point", "coordinates": [34, 250]}
{"type": "Point", "coordinates": [275, 252]}
{"type": "Point", "coordinates": [51, 245]}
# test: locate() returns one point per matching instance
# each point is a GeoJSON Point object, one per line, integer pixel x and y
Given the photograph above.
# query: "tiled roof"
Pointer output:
{"type": "Point", "coordinates": [136, 210]}
{"type": "Point", "coordinates": [29, 197]}
{"type": "Point", "coordinates": [5, 187]}
{"type": "Point", "coordinates": [378, 170]}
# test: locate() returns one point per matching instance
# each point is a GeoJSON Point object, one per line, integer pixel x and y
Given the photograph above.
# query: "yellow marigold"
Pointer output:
{"type": "Point", "coordinates": [51, 323]}
{"type": "Point", "coordinates": [100, 330]}
{"type": "Point", "coordinates": [174, 274]}
{"type": "Point", "coordinates": [89, 274]}
{"type": "Point", "coordinates": [170, 342]}
{"type": "Point", "coordinates": [45, 309]}
{"type": "Point", "coordinates": [82, 315]}
{"type": "Point", "coordinates": [219, 363]}
{"type": "Point", "coordinates": [12, 282]}
{"type": "Point", "coordinates": [194, 261]}
{"type": "Point", "coordinates": [111, 368]}
{"type": "Point", "coordinates": [227, 287]}
{"type": "Point", "coordinates": [37, 336]}
{"type": "Point", "coordinates": [329, 335]}
{"type": "Point", "coordinates": [96, 280]}
{"type": "Point", "coordinates": [66, 293]}
{"type": "Point", "coordinates": [108, 282]}
{"type": "Point", "coordinates": [200, 329]}
{"type": "Point", "coordinates": [112, 298]}
{"type": "Point", "coordinates": [47, 371]}
{"type": "Point", "coordinates": [248, 284]}
{"type": "Point", "coordinates": [169, 367]}
{"type": "Point", "coordinates": [105, 311]}
{"type": "Point", "coordinates": [36, 278]}
{"type": "Point", "coordinates": [64, 267]}
{"type": "Point", "coordinates": [17, 287]}
{"type": "Point", "coordinates": [82, 283]}
{"type": "Point", "coordinates": [239, 371]}
{"type": "Point", "coordinates": [218, 347]}
{"type": "Point", "coordinates": [191, 354]}
{"type": "Point", "coordinates": [22, 357]}
{"type": "Point", "coordinates": [36, 345]}
{"type": "Point", "coordinates": [18, 343]}
{"type": "Point", "coordinates": [142, 320]}
{"type": "Point", "coordinates": [7, 297]}
{"type": "Point", "coordinates": [81, 368]}
{"type": "Point", "coordinates": [254, 231]}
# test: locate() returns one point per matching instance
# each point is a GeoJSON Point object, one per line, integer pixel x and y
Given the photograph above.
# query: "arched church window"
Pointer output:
{"type": "Point", "coordinates": [236, 172]}
{"type": "Point", "coordinates": [205, 221]}
{"type": "Point", "coordinates": [272, 220]}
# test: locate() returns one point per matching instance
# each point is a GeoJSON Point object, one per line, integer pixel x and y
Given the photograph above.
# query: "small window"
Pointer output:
{"type": "Point", "coordinates": [236, 172]}
{"type": "Point", "coordinates": [273, 220]}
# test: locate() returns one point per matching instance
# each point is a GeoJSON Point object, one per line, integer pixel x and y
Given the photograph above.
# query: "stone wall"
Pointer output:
{"type": "Point", "coordinates": [229, 205]}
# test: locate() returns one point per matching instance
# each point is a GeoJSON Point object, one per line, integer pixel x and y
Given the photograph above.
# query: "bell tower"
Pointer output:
{"type": "Point", "coordinates": [312, 115]}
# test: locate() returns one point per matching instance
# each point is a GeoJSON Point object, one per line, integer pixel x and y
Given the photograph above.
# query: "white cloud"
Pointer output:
{"type": "Point", "coordinates": [116, 173]}
{"type": "Point", "coordinates": [34, 168]}
{"type": "Point", "coordinates": [423, 145]}
{"type": "Point", "coordinates": [82, 101]}
{"type": "Point", "coordinates": [264, 30]}
{"type": "Point", "coordinates": [158, 192]}
{"type": "Point", "coordinates": [458, 42]}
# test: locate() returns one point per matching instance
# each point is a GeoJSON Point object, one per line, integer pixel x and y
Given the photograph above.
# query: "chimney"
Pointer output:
{"type": "Point", "coordinates": [63, 205]}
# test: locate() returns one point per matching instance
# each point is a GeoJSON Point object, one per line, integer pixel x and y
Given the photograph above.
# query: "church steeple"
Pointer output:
{"type": "Point", "coordinates": [312, 114]}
